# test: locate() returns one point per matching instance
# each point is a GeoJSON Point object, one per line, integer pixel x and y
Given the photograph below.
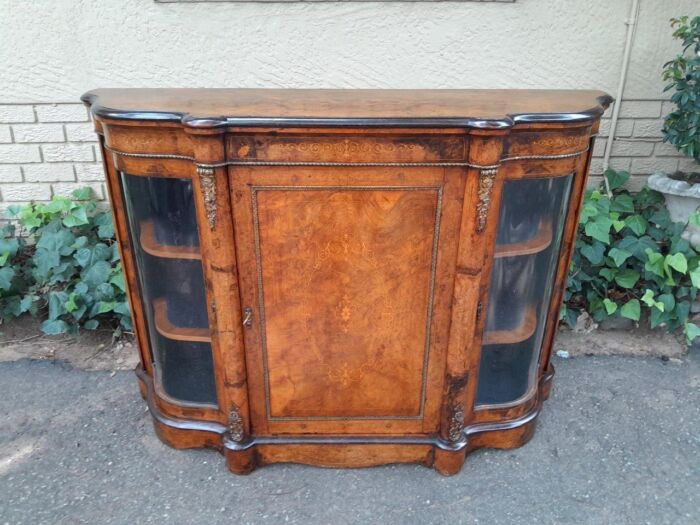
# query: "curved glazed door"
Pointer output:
{"type": "Point", "coordinates": [528, 241]}
{"type": "Point", "coordinates": [163, 229]}
{"type": "Point", "coordinates": [346, 277]}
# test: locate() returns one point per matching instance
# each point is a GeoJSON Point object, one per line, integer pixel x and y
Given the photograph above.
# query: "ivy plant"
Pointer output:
{"type": "Point", "coordinates": [61, 259]}
{"type": "Point", "coordinates": [682, 126]}
{"type": "Point", "coordinates": [631, 260]}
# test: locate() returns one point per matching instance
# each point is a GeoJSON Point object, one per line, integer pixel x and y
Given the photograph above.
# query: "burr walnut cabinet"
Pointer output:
{"type": "Point", "coordinates": [345, 277]}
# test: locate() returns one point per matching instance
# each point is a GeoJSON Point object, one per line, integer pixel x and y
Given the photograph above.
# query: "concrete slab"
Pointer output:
{"type": "Point", "coordinates": [618, 442]}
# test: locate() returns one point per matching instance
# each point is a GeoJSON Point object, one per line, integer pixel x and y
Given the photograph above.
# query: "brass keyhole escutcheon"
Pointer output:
{"type": "Point", "coordinates": [248, 316]}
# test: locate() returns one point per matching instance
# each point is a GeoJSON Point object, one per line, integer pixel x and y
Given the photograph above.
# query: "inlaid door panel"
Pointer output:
{"type": "Point", "coordinates": [343, 273]}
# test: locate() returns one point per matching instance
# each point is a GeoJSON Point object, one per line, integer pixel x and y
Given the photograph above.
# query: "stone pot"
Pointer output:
{"type": "Point", "coordinates": [682, 199]}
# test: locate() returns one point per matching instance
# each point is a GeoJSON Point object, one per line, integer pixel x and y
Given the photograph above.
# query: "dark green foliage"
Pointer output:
{"type": "Point", "coordinates": [62, 260]}
{"type": "Point", "coordinates": [682, 126]}
{"type": "Point", "coordinates": [630, 257]}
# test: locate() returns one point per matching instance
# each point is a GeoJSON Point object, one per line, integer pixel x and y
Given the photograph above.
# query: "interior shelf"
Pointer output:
{"type": "Point", "coordinates": [177, 333]}
{"type": "Point", "coordinates": [538, 243]}
{"type": "Point", "coordinates": [152, 247]}
{"type": "Point", "coordinates": [521, 333]}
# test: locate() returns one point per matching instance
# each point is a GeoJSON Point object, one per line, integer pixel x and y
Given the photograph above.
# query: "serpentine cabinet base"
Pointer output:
{"type": "Point", "coordinates": [345, 278]}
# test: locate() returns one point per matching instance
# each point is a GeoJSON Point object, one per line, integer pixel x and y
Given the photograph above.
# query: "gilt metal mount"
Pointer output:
{"type": "Point", "coordinates": [236, 430]}
{"type": "Point", "coordinates": [486, 181]}
{"type": "Point", "coordinates": [208, 183]}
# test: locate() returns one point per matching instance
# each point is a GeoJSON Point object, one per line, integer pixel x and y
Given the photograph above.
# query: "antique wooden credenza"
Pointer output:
{"type": "Point", "coordinates": [345, 277]}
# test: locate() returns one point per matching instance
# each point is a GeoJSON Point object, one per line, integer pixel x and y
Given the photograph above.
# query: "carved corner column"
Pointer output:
{"type": "Point", "coordinates": [479, 215]}
{"type": "Point", "coordinates": [210, 185]}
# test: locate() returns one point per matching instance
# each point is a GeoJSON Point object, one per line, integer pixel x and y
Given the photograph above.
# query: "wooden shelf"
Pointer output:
{"type": "Point", "coordinates": [152, 247]}
{"type": "Point", "coordinates": [517, 335]}
{"type": "Point", "coordinates": [538, 243]}
{"type": "Point", "coordinates": [169, 330]}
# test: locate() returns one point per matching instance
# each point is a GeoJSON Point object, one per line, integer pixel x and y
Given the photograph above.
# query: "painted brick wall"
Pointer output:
{"type": "Point", "coordinates": [51, 149]}
{"type": "Point", "coordinates": [638, 146]}
{"type": "Point", "coordinates": [46, 150]}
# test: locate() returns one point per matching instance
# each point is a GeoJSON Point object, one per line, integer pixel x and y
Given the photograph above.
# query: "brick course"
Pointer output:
{"type": "Point", "coordinates": [48, 149]}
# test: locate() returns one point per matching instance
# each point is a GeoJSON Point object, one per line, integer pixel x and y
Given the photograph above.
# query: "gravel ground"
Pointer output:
{"type": "Point", "coordinates": [618, 442]}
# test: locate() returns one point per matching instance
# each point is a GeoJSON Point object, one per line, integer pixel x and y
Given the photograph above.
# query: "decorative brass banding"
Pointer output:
{"type": "Point", "coordinates": [208, 183]}
{"type": "Point", "coordinates": [487, 174]}
{"type": "Point", "coordinates": [450, 164]}
{"type": "Point", "coordinates": [546, 157]}
{"type": "Point", "coordinates": [486, 180]}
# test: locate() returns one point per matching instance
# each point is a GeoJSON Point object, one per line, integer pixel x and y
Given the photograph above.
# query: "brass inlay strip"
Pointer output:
{"type": "Point", "coordinates": [450, 164]}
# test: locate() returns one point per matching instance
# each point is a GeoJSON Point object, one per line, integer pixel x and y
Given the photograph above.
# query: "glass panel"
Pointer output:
{"type": "Point", "coordinates": [164, 235]}
{"type": "Point", "coordinates": [526, 255]}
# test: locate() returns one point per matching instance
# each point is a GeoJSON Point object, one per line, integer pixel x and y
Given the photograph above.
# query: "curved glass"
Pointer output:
{"type": "Point", "coordinates": [526, 255]}
{"type": "Point", "coordinates": [163, 230]}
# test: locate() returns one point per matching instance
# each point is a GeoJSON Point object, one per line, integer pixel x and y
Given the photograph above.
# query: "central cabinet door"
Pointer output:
{"type": "Point", "coordinates": [346, 277]}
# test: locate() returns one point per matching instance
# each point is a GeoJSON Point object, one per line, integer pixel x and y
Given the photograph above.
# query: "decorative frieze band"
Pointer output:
{"type": "Point", "coordinates": [449, 164]}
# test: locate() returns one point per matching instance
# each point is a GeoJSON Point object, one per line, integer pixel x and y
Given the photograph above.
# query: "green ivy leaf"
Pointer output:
{"type": "Point", "coordinates": [599, 229]}
{"type": "Point", "coordinates": [587, 211]}
{"type": "Point", "coordinates": [122, 308]}
{"type": "Point", "coordinates": [118, 281]}
{"type": "Point", "coordinates": [631, 310]}
{"type": "Point", "coordinates": [608, 273]}
{"type": "Point", "coordinates": [593, 252]}
{"type": "Point", "coordinates": [57, 301]}
{"type": "Point", "coordinates": [682, 311]}
{"type": "Point", "coordinates": [648, 299]}
{"type": "Point", "coordinates": [658, 317]}
{"type": "Point", "coordinates": [76, 217]}
{"type": "Point", "coordinates": [618, 225]}
{"type": "Point", "coordinates": [105, 306]}
{"type": "Point", "coordinates": [668, 301]}
{"type": "Point", "coordinates": [105, 228]}
{"type": "Point", "coordinates": [616, 178]}
{"type": "Point", "coordinates": [26, 303]}
{"type": "Point", "coordinates": [92, 324]}
{"type": "Point", "coordinates": [678, 262]}
{"type": "Point", "coordinates": [695, 277]}
{"type": "Point", "coordinates": [9, 247]}
{"type": "Point", "coordinates": [622, 203]}
{"type": "Point", "coordinates": [70, 304]}
{"type": "Point", "coordinates": [627, 278]}
{"type": "Point", "coordinates": [619, 256]}
{"type": "Point", "coordinates": [691, 331]}
{"type": "Point", "coordinates": [610, 306]}
{"type": "Point", "coordinates": [637, 224]}
{"type": "Point", "coordinates": [6, 275]}
{"type": "Point", "coordinates": [694, 219]}
{"type": "Point", "coordinates": [82, 194]}
{"type": "Point", "coordinates": [102, 252]}
{"type": "Point", "coordinates": [53, 327]}
{"type": "Point", "coordinates": [655, 263]}
{"type": "Point", "coordinates": [83, 257]}
{"type": "Point", "coordinates": [97, 274]}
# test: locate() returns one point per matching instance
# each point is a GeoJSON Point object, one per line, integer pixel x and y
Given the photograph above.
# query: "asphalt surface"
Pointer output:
{"type": "Point", "coordinates": [618, 442]}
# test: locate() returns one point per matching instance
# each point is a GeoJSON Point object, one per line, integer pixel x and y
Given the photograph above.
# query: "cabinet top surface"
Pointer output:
{"type": "Point", "coordinates": [209, 108]}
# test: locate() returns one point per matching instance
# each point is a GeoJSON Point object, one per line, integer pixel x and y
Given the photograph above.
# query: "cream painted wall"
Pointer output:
{"type": "Point", "coordinates": [53, 50]}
